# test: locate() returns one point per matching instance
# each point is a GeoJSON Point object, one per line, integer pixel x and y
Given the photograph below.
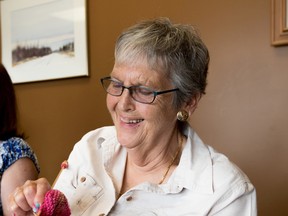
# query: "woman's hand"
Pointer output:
{"type": "Point", "coordinates": [28, 197]}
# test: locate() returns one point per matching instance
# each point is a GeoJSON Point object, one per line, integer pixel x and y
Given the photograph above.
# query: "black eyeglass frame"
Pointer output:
{"type": "Point", "coordinates": [155, 93]}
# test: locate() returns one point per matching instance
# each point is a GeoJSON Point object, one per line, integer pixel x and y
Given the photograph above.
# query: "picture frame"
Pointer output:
{"type": "Point", "coordinates": [279, 22]}
{"type": "Point", "coordinates": [44, 39]}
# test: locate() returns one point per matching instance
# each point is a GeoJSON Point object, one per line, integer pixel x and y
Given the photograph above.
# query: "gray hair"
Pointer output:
{"type": "Point", "coordinates": [174, 49]}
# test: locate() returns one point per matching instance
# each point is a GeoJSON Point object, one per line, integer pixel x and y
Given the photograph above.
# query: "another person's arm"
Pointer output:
{"type": "Point", "coordinates": [19, 164]}
{"type": "Point", "coordinates": [16, 175]}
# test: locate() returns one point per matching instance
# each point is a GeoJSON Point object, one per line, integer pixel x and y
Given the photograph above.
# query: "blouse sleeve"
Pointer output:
{"type": "Point", "coordinates": [14, 149]}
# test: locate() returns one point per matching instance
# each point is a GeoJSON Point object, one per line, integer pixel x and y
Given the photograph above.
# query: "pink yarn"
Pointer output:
{"type": "Point", "coordinates": [55, 204]}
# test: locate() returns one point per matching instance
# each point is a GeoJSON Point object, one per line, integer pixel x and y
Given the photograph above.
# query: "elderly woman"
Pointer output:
{"type": "Point", "coordinates": [151, 162]}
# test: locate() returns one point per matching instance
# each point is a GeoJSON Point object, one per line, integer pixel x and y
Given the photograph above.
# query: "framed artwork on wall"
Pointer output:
{"type": "Point", "coordinates": [279, 22]}
{"type": "Point", "coordinates": [44, 39]}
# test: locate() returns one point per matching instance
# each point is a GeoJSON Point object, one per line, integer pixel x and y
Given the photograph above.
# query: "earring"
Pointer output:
{"type": "Point", "coordinates": [182, 115]}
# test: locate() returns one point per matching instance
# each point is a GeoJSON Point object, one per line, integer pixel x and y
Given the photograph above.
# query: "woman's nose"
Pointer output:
{"type": "Point", "coordinates": [126, 101]}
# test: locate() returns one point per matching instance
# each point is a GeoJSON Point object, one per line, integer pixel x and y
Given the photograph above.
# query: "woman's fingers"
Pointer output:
{"type": "Point", "coordinates": [30, 191]}
{"type": "Point", "coordinates": [18, 203]}
{"type": "Point", "coordinates": [43, 187]}
{"type": "Point", "coordinates": [28, 197]}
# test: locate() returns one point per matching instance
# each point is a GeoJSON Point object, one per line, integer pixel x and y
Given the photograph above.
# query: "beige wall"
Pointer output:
{"type": "Point", "coordinates": [245, 111]}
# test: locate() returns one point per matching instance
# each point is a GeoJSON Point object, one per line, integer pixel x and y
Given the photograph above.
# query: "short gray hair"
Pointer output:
{"type": "Point", "coordinates": [175, 49]}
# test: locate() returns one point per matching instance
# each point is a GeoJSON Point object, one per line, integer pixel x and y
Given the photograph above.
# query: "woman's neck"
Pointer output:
{"type": "Point", "coordinates": [154, 166]}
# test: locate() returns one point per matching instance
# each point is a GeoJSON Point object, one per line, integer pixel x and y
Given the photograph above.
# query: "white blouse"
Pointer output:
{"type": "Point", "coordinates": [204, 183]}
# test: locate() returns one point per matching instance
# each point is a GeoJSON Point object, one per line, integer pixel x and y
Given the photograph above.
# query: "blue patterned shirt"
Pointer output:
{"type": "Point", "coordinates": [12, 150]}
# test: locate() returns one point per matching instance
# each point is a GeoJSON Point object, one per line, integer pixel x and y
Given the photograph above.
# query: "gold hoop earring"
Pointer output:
{"type": "Point", "coordinates": [182, 115]}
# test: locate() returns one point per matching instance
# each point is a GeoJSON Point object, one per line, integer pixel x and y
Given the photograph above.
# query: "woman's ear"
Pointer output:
{"type": "Point", "coordinates": [192, 104]}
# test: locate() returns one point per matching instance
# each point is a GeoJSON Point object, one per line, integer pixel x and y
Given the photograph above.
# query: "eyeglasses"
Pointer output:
{"type": "Point", "coordinates": [140, 94]}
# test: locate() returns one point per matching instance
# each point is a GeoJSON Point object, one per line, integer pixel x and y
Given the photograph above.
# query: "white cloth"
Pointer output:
{"type": "Point", "coordinates": [204, 183]}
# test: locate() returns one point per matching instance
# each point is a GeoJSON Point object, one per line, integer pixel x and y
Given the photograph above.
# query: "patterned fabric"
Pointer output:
{"type": "Point", "coordinates": [12, 150]}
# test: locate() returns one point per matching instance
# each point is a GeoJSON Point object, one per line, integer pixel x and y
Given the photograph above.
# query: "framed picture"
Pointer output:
{"type": "Point", "coordinates": [279, 22]}
{"type": "Point", "coordinates": [44, 39]}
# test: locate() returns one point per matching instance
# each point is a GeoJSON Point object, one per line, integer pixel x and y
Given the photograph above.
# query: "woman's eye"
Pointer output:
{"type": "Point", "coordinates": [116, 84]}
{"type": "Point", "coordinates": [144, 91]}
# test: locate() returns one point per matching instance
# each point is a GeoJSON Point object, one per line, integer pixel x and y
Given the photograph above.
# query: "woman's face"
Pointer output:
{"type": "Point", "coordinates": [138, 123]}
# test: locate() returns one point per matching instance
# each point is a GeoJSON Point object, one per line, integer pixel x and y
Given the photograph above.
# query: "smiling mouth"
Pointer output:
{"type": "Point", "coordinates": [134, 121]}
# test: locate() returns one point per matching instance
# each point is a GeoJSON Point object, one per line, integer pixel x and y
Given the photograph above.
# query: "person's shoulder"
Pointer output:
{"type": "Point", "coordinates": [14, 149]}
{"type": "Point", "coordinates": [14, 143]}
{"type": "Point", "coordinates": [225, 172]}
{"type": "Point", "coordinates": [215, 170]}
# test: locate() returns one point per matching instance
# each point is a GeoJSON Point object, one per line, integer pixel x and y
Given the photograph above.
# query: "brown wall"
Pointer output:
{"type": "Point", "coordinates": [245, 111]}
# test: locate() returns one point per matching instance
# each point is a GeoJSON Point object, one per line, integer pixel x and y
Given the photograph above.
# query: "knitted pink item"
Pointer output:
{"type": "Point", "coordinates": [55, 204]}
